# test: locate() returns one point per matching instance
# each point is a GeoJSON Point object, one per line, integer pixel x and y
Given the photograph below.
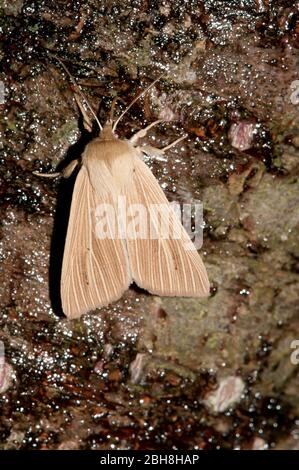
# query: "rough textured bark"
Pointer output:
{"type": "Point", "coordinates": [154, 372]}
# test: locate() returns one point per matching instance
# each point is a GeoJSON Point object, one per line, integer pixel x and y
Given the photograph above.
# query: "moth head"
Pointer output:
{"type": "Point", "coordinates": [107, 132]}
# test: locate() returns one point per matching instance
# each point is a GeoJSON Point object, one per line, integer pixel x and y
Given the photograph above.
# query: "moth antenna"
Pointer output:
{"type": "Point", "coordinates": [134, 101]}
{"type": "Point", "coordinates": [79, 90]}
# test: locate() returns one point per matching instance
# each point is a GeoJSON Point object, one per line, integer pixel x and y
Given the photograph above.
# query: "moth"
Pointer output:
{"type": "Point", "coordinates": [98, 268]}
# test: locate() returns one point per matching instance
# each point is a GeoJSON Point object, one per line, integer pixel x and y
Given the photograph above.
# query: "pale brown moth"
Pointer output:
{"type": "Point", "coordinates": [97, 270]}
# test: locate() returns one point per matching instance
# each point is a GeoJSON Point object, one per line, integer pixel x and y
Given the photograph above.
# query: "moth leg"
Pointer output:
{"type": "Point", "coordinates": [86, 120]}
{"type": "Point", "coordinates": [142, 133]}
{"type": "Point", "coordinates": [46, 175]}
{"type": "Point", "coordinates": [149, 150]}
{"type": "Point", "coordinates": [152, 152]}
{"type": "Point", "coordinates": [66, 172]}
{"type": "Point", "coordinates": [173, 143]}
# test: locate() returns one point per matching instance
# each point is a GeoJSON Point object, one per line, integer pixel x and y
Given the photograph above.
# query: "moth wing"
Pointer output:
{"type": "Point", "coordinates": [94, 271]}
{"type": "Point", "coordinates": [162, 266]}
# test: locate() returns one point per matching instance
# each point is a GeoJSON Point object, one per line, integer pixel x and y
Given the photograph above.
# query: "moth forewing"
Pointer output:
{"type": "Point", "coordinates": [160, 264]}
{"type": "Point", "coordinates": [95, 271]}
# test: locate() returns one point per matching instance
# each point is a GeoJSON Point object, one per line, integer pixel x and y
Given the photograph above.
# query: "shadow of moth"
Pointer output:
{"type": "Point", "coordinates": [107, 247]}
